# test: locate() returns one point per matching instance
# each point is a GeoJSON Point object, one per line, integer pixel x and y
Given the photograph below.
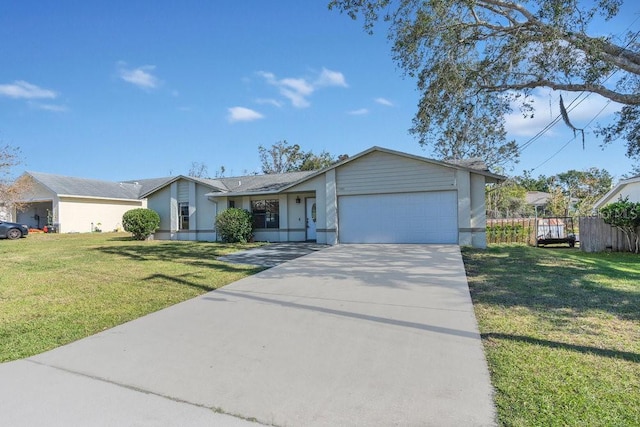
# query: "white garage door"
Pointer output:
{"type": "Point", "coordinates": [428, 217]}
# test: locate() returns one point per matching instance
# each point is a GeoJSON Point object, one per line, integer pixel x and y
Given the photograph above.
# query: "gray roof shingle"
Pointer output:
{"type": "Point", "coordinates": [72, 186]}
{"type": "Point", "coordinates": [262, 183]}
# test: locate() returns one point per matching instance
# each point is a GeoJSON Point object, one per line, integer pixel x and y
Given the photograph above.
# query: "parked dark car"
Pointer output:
{"type": "Point", "coordinates": [11, 230]}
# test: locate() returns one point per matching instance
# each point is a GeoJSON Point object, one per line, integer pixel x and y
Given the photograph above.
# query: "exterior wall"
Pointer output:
{"type": "Point", "coordinates": [205, 214]}
{"type": "Point", "coordinates": [379, 172]}
{"type": "Point", "coordinates": [38, 193]}
{"type": "Point", "coordinates": [478, 212]}
{"type": "Point", "coordinates": [160, 201]}
{"type": "Point", "coordinates": [80, 214]}
{"type": "Point", "coordinates": [202, 211]}
{"type": "Point", "coordinates": [296, 214]}
{"type": "Point", "coordinates": [463, 181]}
{"type": "Point", "coordinates": [331, 231]}
{"type": "Point", "coordinates": [631, 190]}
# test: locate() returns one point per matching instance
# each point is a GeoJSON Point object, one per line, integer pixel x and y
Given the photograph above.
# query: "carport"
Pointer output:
{"type": "Point", "coordinates": [36, 214]}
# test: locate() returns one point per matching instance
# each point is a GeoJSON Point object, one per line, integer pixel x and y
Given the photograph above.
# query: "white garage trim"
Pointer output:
{"type": "Point", "coordinates": [419, 217]}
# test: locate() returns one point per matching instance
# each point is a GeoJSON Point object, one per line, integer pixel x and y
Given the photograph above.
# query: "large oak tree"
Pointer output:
{"type": "Point", "coordinates": [474, 58]}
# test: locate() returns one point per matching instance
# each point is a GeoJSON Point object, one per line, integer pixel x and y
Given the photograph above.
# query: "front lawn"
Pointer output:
{"type": "Point", "coordinates": [57, 288]}
{"type": "Point", "coordinates": [561, 332]}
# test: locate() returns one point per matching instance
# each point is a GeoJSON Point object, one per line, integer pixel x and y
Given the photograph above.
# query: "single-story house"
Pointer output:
{"type": "Point", "coordinates": [626, 188]}
{"type": "Point", "coordinates": [377, 196]}
{"type": "Point", "coordinates": [539, 200]}
{"type": "Point", "coordinates": [77, 204]}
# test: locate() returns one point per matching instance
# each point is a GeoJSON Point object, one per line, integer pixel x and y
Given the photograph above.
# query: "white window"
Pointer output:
{"type": "Point", "coordinates": [183, 216]}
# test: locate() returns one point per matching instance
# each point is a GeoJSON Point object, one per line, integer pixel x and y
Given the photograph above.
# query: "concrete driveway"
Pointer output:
{"type": "Point", "coordinates": [370, 335]}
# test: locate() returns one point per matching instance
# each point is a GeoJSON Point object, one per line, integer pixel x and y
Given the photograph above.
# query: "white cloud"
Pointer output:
{"type": "Point", "coordinates": [331, 78]}
{"type": "Point", "coordinates": [242, 114]}
{"type": "Point", "coordinates": [359, 112]}
{"type": "Point", "coordinates": [297, 89]}
{"type": "Point", "coordinates": [269, 101]}
{"type": "Point", "coordinates": [20, 89]}
{"type": "Point", "coordinates": [384, 101]}
{"type": "Point", "coordinates": [141, 76]}
{"type": "Point", "coordinates": [49, 107]}
{"type": "Point", "coordinates": [297, 99]}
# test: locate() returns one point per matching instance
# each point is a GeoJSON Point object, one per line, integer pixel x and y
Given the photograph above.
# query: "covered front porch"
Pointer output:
{"type": "Point", "coordinates": [290, 217]}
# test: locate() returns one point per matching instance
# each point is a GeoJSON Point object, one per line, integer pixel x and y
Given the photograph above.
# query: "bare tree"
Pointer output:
{"type": "Point", "coordinates": [12, 192]}
{"type": "Point", "coordinates": [198, 170]}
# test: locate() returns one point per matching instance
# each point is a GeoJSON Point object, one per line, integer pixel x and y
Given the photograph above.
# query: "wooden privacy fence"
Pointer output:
{"type": "Point", "coordinates": [511, 230]}
{"type": "Point", "coordinates": [597, 236]}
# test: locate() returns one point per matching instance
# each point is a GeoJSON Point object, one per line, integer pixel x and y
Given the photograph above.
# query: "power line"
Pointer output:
{"type": "Point", "coordinates": [573, 139]}
{"type": "Point", "coordinates": [570, 108]}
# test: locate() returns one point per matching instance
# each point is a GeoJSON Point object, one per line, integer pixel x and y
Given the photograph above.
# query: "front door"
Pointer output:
{"type": "Point", "coordinates": [311, 218]}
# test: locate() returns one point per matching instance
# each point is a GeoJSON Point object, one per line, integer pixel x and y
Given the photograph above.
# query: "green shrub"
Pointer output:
{"type": "Point", "coordinates": [234, 225]}
{"type": "Point", "coordinates": [141, 222]}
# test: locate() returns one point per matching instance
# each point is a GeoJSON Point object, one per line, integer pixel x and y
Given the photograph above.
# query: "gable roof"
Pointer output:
{"type": "Point", "coordinates": [237, 185]}
{"type": "Point", "coordinates": [537, 198]}
{"type": "Point", "coordinates": [152, 185]}
{"type": "Point", "coordinates": [475, 169]}
{"type": "Point", "coordinates": [83, 187]}
{"type": "Point", "coordinates": [606, 199]}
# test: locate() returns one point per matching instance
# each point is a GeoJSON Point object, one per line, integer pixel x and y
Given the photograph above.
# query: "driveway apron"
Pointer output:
{"type": "Point", "coordinates": [370, 335]}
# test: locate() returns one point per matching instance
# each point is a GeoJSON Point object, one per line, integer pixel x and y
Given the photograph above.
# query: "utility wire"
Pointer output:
{"type": "Point", "coordinates": [573, 139]}
{"type": "Point", "coordinates": [571, 107]}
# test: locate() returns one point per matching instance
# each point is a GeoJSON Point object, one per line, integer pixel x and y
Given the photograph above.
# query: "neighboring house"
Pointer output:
{"type": "Point", "coordinates": [539, 200]}
{"type": "Point", "coordinates": [626, 188]}
{"type": "Point", "coordinates": [77, 204]}
{"type": "Point", "coordinates": [377, 196]}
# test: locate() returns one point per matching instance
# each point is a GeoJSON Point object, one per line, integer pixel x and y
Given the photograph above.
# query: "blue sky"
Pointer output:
{"type": "Point", "coordinates": [124, 90]}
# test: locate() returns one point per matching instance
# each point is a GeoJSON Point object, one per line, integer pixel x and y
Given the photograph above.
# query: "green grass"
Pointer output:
{"type": "Point", "coordinates": [57, 288]}
{"type": "Point", "coordinates": [561, 332]}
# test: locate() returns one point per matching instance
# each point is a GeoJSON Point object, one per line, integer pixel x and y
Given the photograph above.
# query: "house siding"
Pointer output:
{"type": "Point", "coordinates": [160, 202]}
{"type": "Point", "coordinates": [379, 173]}
{"type": "Point", "coordinates": [205, 214]}
{"type": "Point", "coordinates": [631, 190]}
{"type": "Point", "coordinates": [39, 193]}
{"type": "Point", "coordinates": [478, 212]}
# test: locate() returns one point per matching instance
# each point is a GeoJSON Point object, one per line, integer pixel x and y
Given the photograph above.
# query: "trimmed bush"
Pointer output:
{"type": "Point", "coordinates": [141, 222]}
{"type": "Point", "coordinates": [234, 225]}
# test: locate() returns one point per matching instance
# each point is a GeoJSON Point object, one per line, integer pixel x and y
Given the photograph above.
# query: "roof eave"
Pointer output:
{"type": "Point", "coordinates": [618, 187]}
{"type": "Point", "coordinates": [241, 193]}
{"type": "Point", "coordinates": [76, 196]}
{"type": "Point", "coordinates": [171, 181]}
